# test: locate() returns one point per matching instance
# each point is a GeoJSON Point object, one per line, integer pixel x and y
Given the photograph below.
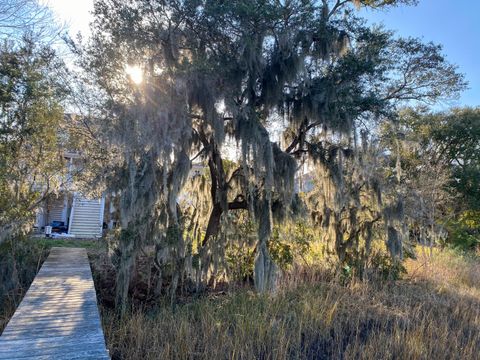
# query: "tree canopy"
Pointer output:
{"type": "Point", "coordinates": [27, 17]}
{"type": "Point", "coordinates": [31, 161]}
{"type": "Point", "coordinates": [218, 75]}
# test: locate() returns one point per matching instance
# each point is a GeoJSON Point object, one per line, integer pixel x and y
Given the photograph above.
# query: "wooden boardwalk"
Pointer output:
{"type": "Point", "coordinates": [58, 317]}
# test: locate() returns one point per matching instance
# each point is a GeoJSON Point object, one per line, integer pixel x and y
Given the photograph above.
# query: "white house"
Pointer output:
{"type": "Point", "coordinates": [82, 216]}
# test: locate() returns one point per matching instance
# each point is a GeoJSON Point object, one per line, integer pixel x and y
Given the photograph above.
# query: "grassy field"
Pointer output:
{"type": "Point", "coordinates": [433, 313]}
{"type": "Point", "coordinates": [49, 243]}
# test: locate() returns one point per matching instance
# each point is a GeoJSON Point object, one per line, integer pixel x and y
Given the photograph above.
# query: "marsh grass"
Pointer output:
{"type": "Point", "coordinates": [433, 313]}
{"type": "Point", "coordinates": [20, 261]}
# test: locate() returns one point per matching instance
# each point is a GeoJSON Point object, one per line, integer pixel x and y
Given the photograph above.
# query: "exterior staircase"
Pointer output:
{"type": "Point", "coordinates": [86, 217]}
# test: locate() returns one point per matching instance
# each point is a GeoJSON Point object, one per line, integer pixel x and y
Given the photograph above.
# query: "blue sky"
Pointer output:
{"type": "Point", "coordinates": [453, 23]}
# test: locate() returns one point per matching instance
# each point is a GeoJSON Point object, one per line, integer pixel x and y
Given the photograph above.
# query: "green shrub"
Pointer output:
{"type": "Point", "coordinates": [464, 232]}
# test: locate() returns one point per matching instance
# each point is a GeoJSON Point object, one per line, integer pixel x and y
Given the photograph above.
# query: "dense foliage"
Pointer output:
{"type": "Point", "coordinates": [268, 99]}
{"type": "Point", "coordinates": [32, 92]}
{"type": "Point", "coordinates": [285, 146]}
{"type": "Point", "coordinates": [269, 86]}
{"type": "Point", "coordinates": [439, 155]}
{"type": "Point", "coordinates": [31, 162]}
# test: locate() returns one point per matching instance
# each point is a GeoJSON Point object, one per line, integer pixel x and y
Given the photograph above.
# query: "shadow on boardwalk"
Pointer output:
{"type": "Point", "coordinates": [58, 317]}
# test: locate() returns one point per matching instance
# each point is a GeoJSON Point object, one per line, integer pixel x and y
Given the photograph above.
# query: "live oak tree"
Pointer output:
{"type": "Point", "coordinates": [242, 70]}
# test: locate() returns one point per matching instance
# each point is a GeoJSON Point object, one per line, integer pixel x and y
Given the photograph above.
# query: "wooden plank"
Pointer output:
{"type": "Point", "coordinates": [80, 351]}
{"type": "Point", "coordinates": [60, 311]}
{"type": "Point", "coordinates": [52, 321]}
{"type": "Point", "coordinates": [58, 317]}
{"type": "Point", "coordinates": [34, 312]}
{"type": "Point", "coordinates": [46, 332]}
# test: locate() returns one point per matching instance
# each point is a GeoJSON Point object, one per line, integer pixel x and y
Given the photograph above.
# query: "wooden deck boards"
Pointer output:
{"type": "Point", "coordinates": [58, 317]}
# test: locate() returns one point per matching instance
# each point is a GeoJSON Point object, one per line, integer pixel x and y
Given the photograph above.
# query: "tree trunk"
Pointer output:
{"type": "Point", "coordinates": [265, 270]}
{"type": "Point", "coordinates": [124, 269]}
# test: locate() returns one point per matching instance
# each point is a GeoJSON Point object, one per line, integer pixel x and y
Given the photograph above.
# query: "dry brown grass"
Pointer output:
{"type": "Point", "coordinates": [434, 313]}
{"type": "Point", "coordinates": [19, 263]}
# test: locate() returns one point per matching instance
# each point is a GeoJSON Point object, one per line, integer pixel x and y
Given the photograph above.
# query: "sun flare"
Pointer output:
{"type": "Point", "coordinates": [135, 73]}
